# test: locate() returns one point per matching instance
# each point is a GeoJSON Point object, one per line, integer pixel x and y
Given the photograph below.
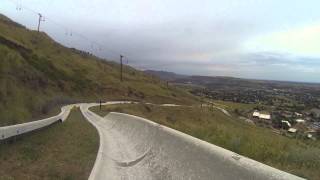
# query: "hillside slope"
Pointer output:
{"type": "Point", "coordinates": [37, 74]}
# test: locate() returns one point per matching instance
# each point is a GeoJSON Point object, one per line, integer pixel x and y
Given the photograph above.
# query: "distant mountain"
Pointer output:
{"type": "Point", "coordinates": [164, 75]}
{"type": "Point", "coordinates": [191, 79]}
{"type": "Point", "coordinates": [221, 82]}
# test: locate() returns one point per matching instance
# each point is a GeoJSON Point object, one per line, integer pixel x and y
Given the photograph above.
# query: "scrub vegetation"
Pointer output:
{"type": "Point", "coordinates": [299, 157]}
{"type": "Point", "coordinates": [38, 74]}
{"type": "Point", "coordinates": [61, 151]}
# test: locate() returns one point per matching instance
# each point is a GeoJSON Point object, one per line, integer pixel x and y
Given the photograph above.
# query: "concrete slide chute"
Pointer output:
{"type": "Point", "coordinates": [19, 129]}
{"type": "Point", "coordinates": [135, 148]}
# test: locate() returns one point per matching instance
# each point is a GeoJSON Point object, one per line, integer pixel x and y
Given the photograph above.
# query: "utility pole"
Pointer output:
{"type": "Point", "coordinates": [202, 97]}
{"type": "Point", "coordinates": [39, 22]}
{"type": "Point", "coordinates": [121, 68]}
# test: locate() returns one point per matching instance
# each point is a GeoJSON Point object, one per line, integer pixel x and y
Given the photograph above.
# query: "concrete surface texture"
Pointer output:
{"type": "Point", "coordinates": [135, 148]}
{"type": "Point", "coordinates": [14, 130]}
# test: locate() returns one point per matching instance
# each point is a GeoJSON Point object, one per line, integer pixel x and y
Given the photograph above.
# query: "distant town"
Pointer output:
{"type": "Point", "coordinates": [288, 108]}
{"type": "Point", "coordinates": [291, 108]}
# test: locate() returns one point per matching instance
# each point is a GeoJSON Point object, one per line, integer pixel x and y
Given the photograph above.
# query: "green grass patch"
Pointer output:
{"type": "Point", "coordinates": [62, 151]}
{"type": "Point", "coordinates": [231, 106]}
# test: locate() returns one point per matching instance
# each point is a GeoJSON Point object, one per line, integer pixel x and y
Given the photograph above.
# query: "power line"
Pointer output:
{"type": "Point", "coordinates": [121, 78]}
{"type": "Point", "coordinates": [99, 47]}
{"type": "Point", "coordinates": [69, 31]}
{"type": "Point", "coordinates": [41, 18]}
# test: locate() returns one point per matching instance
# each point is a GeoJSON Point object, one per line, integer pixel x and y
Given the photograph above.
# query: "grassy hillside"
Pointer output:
{"type": "Point", "coordinates": [300, 157]}
{"type": "Point", "coordinates": [37, 74]}
{"type": "Point", "coordinates": [62, 151]}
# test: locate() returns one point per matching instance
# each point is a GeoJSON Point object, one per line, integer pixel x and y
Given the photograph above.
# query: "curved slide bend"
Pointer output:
{"type": "Point", "coordinates": [135, 148]}
{"type": "Point", "coordinates": [18, 129]}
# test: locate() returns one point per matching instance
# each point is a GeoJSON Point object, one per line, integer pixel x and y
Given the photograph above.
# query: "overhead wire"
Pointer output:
{"type": "Point", "coordinates": [94, 45]}
{"type": "Point", "coordinates": [99, 47]}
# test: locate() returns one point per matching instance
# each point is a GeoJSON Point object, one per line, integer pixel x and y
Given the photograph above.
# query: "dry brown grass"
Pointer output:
{"type": "Point", "coordinates": [61, 151]}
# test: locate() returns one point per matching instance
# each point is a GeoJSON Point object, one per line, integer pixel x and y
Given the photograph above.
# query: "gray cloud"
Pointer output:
{"type": "Point", "coordinates": [189, 37]}
{"type": "Point", "coordinates": [273, 58]}
{"type": "Point", "coordinates": [177, 41]}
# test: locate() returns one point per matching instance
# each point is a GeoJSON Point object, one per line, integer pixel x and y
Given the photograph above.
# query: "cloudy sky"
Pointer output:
{"type": "Point", "coordinates": [261, 39]}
